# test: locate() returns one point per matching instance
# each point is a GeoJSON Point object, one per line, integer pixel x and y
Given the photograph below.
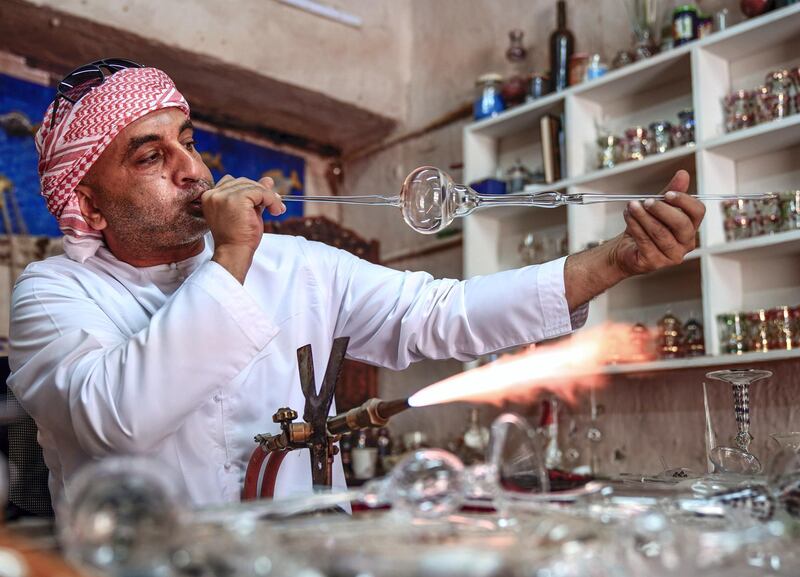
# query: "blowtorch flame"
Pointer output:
{"type": "Point", "coordinates": [563, 367]}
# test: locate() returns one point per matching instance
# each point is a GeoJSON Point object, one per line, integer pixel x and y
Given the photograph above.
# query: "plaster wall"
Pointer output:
{"type": "Point", "coordinates": [366, 66]}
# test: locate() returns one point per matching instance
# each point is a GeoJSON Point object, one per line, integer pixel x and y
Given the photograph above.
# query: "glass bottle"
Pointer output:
{"type": "Point", "coordinates": [475, 439]}
{"type": "Point", "coordinates": [346, 446]}
{"type": "Point", "coordinates": [549, 424]}
{"type": "Point", "coordinates": [384, 443]}
{"type": "Point", "coordinates": [562, 45]}
{"type": "Point", "coordinates": [515, 86]}
{"type": "Point", "coordinates": [693, 340]}
{"type": "Point", "coordinates": [489, 97]}
{"type": "Point", "coordinates": [670, 336]}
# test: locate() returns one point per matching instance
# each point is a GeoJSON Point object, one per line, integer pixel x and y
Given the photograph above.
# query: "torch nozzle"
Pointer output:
{"type": "Point", "coordinates": [373, 413]}
{"type": "Point", "coordinates": [388, 409]}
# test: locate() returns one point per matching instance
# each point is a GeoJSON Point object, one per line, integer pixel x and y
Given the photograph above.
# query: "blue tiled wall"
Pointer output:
{"type": "Point", "coordinates": [224, 155]}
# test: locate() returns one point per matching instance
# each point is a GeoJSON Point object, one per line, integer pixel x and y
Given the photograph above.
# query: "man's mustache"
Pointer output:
{"type": "Point", "coordinates": [197, 188]}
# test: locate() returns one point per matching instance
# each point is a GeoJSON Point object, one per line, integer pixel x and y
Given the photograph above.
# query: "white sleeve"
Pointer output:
{"type": "Point", "coordinates": [127, 393]}
{"type": "Point", "coordinates": [394, 318]}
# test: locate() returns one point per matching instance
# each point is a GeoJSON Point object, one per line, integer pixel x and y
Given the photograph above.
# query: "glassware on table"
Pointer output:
{"type": "Point", "coordinates": [734, 461]}
{"type": "Point", "coordinates": [738, 459]}
{"type": "Point", "coordinates": [516, 455]}
{"type": "Point", "coordinates": [709, 434]}
{"type": "Point", "coordinates": [593, 433]}
{"type": "Point", "coordinates": [790, 440]}
{"type": "Point", "coordinates": [123, 516]}
{"type": "Point", "coordinates": [430, 200]}
{"type": "Point", "coordinates": [428, 484]}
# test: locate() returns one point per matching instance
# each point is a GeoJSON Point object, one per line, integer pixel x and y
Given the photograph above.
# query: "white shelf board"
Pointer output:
{"type": "Point", "coordinates": [609, 174]}
{"type": "Point", "coordinates": [698, 362]}
{"type": "Point", "coordinates": [642, 76]}
{"type": "Point", "coordinates": [757, 140]}
{"type": "Point", "coordinates": [520, 117]}
{"type": "Point", "coordinates": [758, 246]}
{"type": "Point", "coordinates": [754, 35]}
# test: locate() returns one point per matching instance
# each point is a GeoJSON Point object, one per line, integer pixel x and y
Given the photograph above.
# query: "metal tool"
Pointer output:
{"type": "Point", "coordinates": [317, 432]}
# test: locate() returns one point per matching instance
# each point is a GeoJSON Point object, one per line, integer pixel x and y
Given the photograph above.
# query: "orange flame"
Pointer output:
{"type": "Point", "coordinates": [563, 367]}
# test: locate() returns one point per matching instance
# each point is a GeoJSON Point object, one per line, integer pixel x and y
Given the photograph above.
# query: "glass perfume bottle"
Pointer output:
{"type": "Point", "coordinates": [515, 86]}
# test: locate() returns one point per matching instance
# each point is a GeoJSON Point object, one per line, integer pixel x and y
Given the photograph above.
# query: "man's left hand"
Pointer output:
{"type": "Point", "coordinates": [659, 233]}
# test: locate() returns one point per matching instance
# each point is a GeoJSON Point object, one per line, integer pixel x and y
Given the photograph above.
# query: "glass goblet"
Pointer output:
{"type": "Point", "coordinates": [738, 459]}
{"type": "Point", "coordinates": [789, 440]}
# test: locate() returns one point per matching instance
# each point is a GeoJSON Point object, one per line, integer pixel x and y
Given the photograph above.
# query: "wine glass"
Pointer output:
{"type": "Point", "coordinates": [738, 459]}
{"type": "Point", "coordinates": [789, 440]}
{"type": "Point", "coordinates": [430, 200]}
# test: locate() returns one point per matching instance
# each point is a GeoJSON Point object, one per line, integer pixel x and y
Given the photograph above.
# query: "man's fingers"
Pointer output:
{"type": "Point", "coordinates": [693, 208]}
{"type": "Point", "coordinates": [679, 182]}
{"type": "Point", "coordinates": [676, 220]}
{"type": "Point", "coordinates": [259, 193]}
{"type": "Point", "coordinates": [269, 184]}
{"type": "Point", "coordinates": [644, 243]}
{"type": "Point", "coordinates": [659, 234]}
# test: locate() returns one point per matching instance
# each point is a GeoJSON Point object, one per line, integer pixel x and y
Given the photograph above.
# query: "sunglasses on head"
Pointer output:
{"type": "Point", "coordinates": [83, 79]}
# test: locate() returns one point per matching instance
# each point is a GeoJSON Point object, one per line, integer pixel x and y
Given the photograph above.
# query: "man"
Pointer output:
{"type": "Point", "coordinates": [171, 325]}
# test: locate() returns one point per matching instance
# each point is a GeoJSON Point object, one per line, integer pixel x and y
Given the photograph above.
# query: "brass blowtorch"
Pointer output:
{"type": "Point", "coordinates": [373, 413]}
{"type": "Point", "coordinates": [301, 435]}
{"type": "Point", "coordinates": [317, 432]}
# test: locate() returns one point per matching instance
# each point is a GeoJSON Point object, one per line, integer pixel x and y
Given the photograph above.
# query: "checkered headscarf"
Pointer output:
{"type": "Point", "coordinates": [81, 133]}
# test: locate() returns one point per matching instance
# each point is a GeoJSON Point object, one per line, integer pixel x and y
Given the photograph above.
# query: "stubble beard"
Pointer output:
{"type": "Point", "coordinates": [146, 231]}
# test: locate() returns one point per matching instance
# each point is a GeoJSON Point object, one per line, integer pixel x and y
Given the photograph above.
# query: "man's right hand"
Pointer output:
{"type": "Point", "coordinates": [233, 210]}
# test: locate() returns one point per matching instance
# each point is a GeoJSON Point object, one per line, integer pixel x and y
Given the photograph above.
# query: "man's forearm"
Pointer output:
{"type": "Point", "coordinates": [590, 273]}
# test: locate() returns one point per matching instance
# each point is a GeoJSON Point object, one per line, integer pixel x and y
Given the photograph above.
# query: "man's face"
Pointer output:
{"type": "Point", "coordinates": [144, 190]}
